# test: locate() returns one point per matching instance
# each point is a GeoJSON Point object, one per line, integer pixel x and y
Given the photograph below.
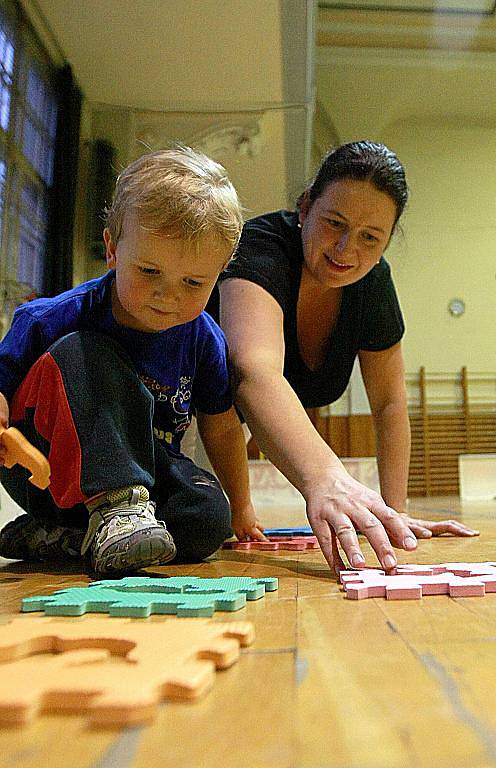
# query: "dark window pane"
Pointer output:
{"type": "Point", "coordinates": [40, 123]}
{"type": "Point", "coordinates": [28, 123]}
{"type": "Point", "coordinates": [28, 234]}
{"type": "Point", "coordinates": [6, 69]}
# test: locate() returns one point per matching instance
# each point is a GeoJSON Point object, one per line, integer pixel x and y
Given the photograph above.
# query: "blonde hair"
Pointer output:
{"type": "Point", "coordinates": [177, 191]}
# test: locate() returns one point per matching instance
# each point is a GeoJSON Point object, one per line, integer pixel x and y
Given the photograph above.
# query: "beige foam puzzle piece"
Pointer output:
{"type": "Point", "coordinates": [116, 672]}
{"type": "Point", "coordinates": [20, 451]}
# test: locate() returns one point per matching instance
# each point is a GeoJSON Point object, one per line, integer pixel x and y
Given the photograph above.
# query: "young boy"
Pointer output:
{"type": "Point", "coordinates": [103, 379]}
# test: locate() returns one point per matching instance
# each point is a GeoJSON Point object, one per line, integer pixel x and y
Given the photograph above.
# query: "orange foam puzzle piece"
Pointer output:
{"type": "Point", "coordinates": [53, 666]}
{"type": "Point", "coordinates": [20, 451]}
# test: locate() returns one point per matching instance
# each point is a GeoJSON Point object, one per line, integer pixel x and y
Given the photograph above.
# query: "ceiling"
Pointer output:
{"type": "Point", "coordinates": [213, 55]}
{"type": "Point", "coordinates": [375, 68]}
{"type": "Point", "coordinates": [166, 54]}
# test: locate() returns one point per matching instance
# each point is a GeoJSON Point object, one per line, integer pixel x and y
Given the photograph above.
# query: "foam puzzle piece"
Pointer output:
{"type": "Point", "coordinates": [411, 582]}
{"type": "Point", "coordinates": [302, 531]}
{"type": "Point", "coordinates": [251, 587]}
{"type": "Point", "coordinates": [20, 451]}
{"type": "Point", "coordinates": [150, 663]}
{"type": "Point", "coordinates": [274, 543]}
{"type": "Point", "coordinates": [141, 596]}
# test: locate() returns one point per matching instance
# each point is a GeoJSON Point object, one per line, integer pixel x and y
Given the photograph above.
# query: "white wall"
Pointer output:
{"type": "Point", "coordinates": [437, 111]}
{"type": "Point", "coordinates": [450, 242]}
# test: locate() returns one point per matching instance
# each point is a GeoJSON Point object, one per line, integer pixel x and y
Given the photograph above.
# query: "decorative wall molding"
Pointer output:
{"type": "Point", "coordinates": [241, 134]}
{"type": "Point", "coordinates": [244, 139]}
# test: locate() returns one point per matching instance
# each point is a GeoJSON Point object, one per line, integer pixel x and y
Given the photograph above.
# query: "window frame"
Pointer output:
{"type": "Point", "coordinates": [29, 53]}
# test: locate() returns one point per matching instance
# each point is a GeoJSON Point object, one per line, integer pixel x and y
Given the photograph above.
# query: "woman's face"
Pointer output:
{"type": "Point", "coordinates": [345, 231]}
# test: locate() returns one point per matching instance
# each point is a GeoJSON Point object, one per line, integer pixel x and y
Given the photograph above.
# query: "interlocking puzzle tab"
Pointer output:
{"type": "Point", "coordinates": [275, 543]}
{"type": "Point", "coordinates": [151, 662]}
{"type": "Point", "coordinates": [411, 582]}
{"type": "Point", "coordinates": [139, 597]}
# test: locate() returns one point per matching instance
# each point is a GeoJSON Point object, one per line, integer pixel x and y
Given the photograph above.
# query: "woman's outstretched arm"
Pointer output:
{"type": "Point", "coordinates": [336, 503]}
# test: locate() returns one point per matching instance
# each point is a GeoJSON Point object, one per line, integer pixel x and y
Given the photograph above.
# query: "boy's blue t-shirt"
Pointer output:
{"type": "Point", "coordinates": [184, 367]}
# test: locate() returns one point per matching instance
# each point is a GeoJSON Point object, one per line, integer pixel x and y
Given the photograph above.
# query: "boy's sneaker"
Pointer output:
{"type": "Point", "coordinates": [123, 534]}
{"type": "Point", "coordinates": [25, 539]}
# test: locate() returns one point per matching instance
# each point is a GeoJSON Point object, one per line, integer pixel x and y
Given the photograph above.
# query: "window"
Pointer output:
{"type": "Point", "coordinates": [28, 122]}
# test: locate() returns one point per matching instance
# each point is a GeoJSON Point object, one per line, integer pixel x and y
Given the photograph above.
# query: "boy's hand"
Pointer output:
{"type": "Point", "coordinates": [246, 526]}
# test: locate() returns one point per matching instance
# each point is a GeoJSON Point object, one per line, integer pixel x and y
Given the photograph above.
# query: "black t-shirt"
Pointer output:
{"type": "Point", "coordinates": [270, 254]}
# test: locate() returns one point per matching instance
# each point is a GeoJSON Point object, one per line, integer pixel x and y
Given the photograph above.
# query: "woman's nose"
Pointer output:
{"type": "Point", "coordinates": [343, 242]}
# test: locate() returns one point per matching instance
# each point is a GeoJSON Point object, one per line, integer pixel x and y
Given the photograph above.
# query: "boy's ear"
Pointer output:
{"type": "Point", "coordinates": [109, 249]}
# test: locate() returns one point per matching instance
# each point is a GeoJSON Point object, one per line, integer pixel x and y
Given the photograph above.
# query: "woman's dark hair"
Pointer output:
{"type": "Point", "coordinates": [363, 161]}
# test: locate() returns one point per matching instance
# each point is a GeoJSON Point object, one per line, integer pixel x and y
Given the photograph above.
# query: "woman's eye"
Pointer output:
{"type": "Point", "coordinates": [370, 238]}
{"type": "Point", "coordinates": [192, 283]}
{"type": "Point", "coordinates": [148, 271]}
{"type": "Point", "coordinates": [335, 223]}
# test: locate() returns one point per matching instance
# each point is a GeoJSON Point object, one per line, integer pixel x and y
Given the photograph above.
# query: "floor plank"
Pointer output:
{"type": "Point", "coordinates": [328, 683]}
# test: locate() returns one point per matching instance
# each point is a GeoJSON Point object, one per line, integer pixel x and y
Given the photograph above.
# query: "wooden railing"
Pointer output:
{"type": "Point", "coordinates": [450, 414]}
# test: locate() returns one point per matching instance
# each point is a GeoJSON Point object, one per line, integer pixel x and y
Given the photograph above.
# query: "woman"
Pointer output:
{"type": "Point", "coordinates": [308, 293]}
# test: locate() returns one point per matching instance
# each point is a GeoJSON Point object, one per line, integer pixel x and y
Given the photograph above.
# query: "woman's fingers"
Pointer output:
{"type": "Point", "coordinates": [343, 528]}
{"type": "Point", "coordinates": [439, 527]}
{"type": "Point", "coordinates": [395, 526]}
{"type": "Point", "coordinates": [337, 516]}
{"type": "Point", "coordinates": [420, 531]}
{"type": "Point", "coordinates": [337, 560]}
{"type": "Point", "coordinates": [326, 533]}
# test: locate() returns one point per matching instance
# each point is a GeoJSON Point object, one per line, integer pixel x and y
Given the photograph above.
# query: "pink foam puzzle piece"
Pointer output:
{"type": "Point", "coordinates": [467, 586]}
{"type": "Point", "coordinates": [420, 570]}
{"type": "Point", "coordinates": [361, 591]}
{"type": "Point", "coordinates": [367, 574]}
{"type": "Point", "coordinates": [470, 569]}
{"type": "Point", "coordinates": [411, 582]}
{"type": "Point", "coordinates": [274, 543]}
{"type": "Point", "coordinates": [489, 582]}
{"type": "Point", "coordinates": [437, 584]}
{"type": "Point", "coordinates": [403, 588]}
{"type": "Point", "coordinates": [460, 569]}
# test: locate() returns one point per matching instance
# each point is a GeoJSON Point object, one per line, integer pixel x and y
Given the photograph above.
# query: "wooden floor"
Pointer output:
{"type": "Point", "coordinates": [328, 682]}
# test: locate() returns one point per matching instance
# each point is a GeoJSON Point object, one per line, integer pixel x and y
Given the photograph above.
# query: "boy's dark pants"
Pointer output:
{"type": "Point", "coordinates": [83, 405]}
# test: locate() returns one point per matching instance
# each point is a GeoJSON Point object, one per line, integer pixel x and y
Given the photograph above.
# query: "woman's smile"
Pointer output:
{"type": "Point", "coordinates": [339, 266]}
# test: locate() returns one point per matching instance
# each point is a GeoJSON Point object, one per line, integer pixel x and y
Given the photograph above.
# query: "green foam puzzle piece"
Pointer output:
{"type": "Point", "coordinates": [252, 588]}
{"type": "Point", "coordinates": [139, 597]}
{"type": "Point", "coordinates": [76, 602]}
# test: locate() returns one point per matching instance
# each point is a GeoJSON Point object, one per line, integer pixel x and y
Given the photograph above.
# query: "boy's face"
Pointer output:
{"type": "Point", "coordinates": [161, 281]}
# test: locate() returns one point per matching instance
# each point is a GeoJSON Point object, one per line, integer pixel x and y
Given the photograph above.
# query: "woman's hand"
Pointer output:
{"type": "Point", "coordinates": [425, 529]}
{"type": "Point", "coordinates": [245, 524]}
{"type": "Point", "coordinates": [341, 505]}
